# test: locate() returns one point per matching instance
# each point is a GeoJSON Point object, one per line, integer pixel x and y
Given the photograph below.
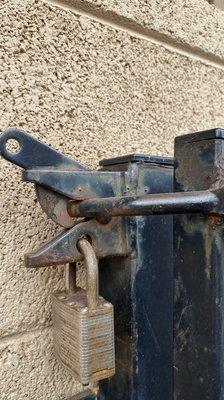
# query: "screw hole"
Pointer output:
{"type": "Point", "coordinates": [13, 146]}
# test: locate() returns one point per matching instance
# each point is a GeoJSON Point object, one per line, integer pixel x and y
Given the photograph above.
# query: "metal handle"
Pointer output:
{"type": "Point", "coordinates": [92, 278]}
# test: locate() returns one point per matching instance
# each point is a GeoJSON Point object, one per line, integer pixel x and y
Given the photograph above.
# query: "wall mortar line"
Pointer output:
{"type": "Point", "coordinates": [22, 336]}
{"type": "Point", "coordinates": [118, 22]}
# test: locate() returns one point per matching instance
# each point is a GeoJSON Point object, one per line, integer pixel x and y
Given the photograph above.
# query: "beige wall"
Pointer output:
{"type": "Point", "coordinates": [110, 78]}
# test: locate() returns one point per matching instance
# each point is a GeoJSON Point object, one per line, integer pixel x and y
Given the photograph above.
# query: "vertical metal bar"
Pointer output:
{"type": "Point", "coordinates": [140, 287]}
{"type": "Point", "coordinates": [199, 274]}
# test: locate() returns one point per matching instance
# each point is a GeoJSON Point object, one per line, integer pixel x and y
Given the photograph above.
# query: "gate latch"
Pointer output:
{"type": "Point", "coordinates": [84, 201]}
{"type": "Point", "coordinates": [59, 179]}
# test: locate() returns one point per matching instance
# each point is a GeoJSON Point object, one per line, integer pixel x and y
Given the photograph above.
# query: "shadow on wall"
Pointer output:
{"type": "Point", "coordinates": [217, 3]}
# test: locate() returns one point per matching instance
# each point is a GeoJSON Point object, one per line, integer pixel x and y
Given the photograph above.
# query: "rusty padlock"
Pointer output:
{"type": "Point", "coordinates": [83, 324]}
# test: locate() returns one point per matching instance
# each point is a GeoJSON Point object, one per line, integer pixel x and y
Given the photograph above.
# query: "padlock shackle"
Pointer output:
{"type": "Point", "coordinates": [92, 272]}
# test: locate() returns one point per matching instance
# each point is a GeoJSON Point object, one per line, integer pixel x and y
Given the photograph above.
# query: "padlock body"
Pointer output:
{"type": "Point", "coordinates": [83, 339]}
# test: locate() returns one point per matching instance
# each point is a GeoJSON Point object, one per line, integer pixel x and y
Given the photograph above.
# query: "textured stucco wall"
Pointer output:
{"type": "Point", "coordinates": [195, 24]}
{"type": "Point", "coordinates": [92, 91]}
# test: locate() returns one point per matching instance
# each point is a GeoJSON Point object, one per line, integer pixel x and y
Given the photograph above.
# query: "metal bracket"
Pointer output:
{"type": "Point", "coordinates": [58, 179]}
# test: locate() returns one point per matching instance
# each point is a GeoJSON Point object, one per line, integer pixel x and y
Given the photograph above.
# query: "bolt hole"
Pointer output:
{"type": "Point", "coordinates": [13, 146]}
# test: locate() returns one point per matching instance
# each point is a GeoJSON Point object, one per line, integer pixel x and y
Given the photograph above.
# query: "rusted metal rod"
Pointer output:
{"type": "Point", "coordinates": [166, 203]}
{"type": "Point", "coordinates": [92, 274]}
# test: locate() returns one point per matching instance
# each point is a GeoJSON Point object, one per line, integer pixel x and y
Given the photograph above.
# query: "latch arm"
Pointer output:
{"type": "Point", "coordinates": [107, 240]}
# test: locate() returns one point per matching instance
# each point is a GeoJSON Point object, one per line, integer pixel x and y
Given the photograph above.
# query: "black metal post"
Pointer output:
{"type": "Point", "coordinates": [199, 273]}
{"type": "Point", "coordinates": [140, 287]}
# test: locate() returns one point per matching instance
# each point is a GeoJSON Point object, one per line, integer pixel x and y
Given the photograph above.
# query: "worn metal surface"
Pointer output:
{"type": "Point", "coordinates": [107, 240]}
{"type": "Point", "coordinates": [136, 157]}
{"type": "Point", "coordinates": [92, 272]}
{"type": "Point", "coordinates": [164, 203]}
{"type": "Point", "coordinates": [77, 185]}
{"type": "Point", "coordinates": [140, 288]}
{"type": "Point", "coordinates": [199, 273]}
{"type": "Point", "coordinates": [55, 206]}
{"type": "Point", "coordinates": [83, 328]}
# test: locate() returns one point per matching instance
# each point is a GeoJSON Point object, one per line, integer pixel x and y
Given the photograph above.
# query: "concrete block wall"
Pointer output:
{"type": "Point", "coordinates": [99, 79]}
